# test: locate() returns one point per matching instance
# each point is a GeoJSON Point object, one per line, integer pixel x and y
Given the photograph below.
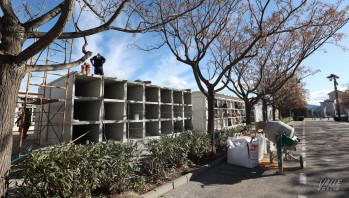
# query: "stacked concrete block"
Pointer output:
{"type": "Point", "coordinates": [99, 108]}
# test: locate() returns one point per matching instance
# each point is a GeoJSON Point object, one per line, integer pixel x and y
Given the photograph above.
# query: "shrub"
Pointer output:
{"type": "Point", "coordinates": [70, 170]}
{"type": "Point", "coordinates": [54, 173]}
{"type": "Point", "coordinates": [198, 145]}
{"type": "Point", "coordinates": [300, 118]}
{"type": "Point", "coordinates": [119, 166]}
{"type": "Point", "coordinates": [287, 120]}
{"type": "Point", "coordinates": [222, 135]}
{"type": "Point", "coordinates": [166, 154]}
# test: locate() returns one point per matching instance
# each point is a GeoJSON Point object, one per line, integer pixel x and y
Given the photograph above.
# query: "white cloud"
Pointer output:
{"type": "Point", "coordinates": [169, 72]}
{"type": "Point", "coordinates": [316, 97]}
{"type": "Point", "coordinates": [121, 61]}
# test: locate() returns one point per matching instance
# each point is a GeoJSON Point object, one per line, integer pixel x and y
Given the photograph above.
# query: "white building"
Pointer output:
{"type": "Point", "coordinates": [328, 106]}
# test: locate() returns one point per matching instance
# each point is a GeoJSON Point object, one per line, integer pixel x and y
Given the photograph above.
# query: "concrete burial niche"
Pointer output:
{"type": "Point", "coordinates": [87, 110]}
{"type": "Point", "coordinates": [135, 111]}
{"type": "Point", "coordinates": [178, 126]}
{"type": "Point", "coordinates": [166, 127]}
{"type": "Point", "coordinates": [87, 86]}
{"type": "Point", "coordinates": [152, 94]}
{"type": "Point", "coordinates": [166, 96]}
{"type": "Point", "coordinates": [92, 132]}
{"type": "Point", "coordinates": [135, 130]}
{"type": "Point", "coordinates": [166, 111]}
{"type": "Point", "coordinates": [110, 108]}
{"type": "Point", "coordinates": [114, 89]}
{"type": "Point", "coordinates": [187, 98]}
{"type": "Point", "coordinates": [177, 97]}
{"type": "Point", "coordinates": [114, 111]}
{"type": "Point", "coordinates": [152, 111]}
{"type": "Point", "coordinates": [115, 131]}
{"type": "Point", "coordinates": [135, 91]}
{"type": "Point", "coordinates": [152, 128]}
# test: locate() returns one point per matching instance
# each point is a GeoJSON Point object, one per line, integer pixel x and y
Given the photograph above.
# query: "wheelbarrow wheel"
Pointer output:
{"type": "Point", "coordinates": [301, 162]}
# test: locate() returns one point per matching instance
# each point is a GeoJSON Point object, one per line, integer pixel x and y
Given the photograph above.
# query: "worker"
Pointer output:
{"type": "Point", "coordinates": [86, 68]}
{"type": "Point", "coordinates": [26, 123]}
{"type": "Point", "coordinates": [97, 62]}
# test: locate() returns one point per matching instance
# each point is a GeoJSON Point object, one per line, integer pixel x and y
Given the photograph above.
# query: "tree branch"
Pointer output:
{"type": "Point", "coordinates": [44, 18]}
{"type": "Point", "coordinates": [6, 7]}
{"type": "Point", "coordinates": [101, 28]}
{"type": "Point", "coordinates": [36, 68]}
{"type": "Point", "coordinates": [51, 35]}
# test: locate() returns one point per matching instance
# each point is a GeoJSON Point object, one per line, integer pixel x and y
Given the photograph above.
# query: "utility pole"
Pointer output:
{"type": "Point", "coordinates": [334, 77]}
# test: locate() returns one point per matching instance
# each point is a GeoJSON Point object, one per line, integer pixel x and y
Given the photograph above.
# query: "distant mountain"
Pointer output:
{"type": "Point", "coordinates": [313, 107]}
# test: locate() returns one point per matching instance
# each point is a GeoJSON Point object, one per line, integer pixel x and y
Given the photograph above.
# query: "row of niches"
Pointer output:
{"type": "Point", "coordinates": [226, 122]}
{"type": "Point", "coordinates": [228, 104]}
{"type": "Point", "coordinates": [87, 86]}
{"type": "Point", "coordinates": [120, 131]}
{"type": "Point", "coordinates": [91, 111]}
{"type": "Point", "coordinates": [228, 113]}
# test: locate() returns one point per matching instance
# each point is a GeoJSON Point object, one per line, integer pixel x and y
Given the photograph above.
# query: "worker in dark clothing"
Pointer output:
{"type": "Point", "coordinates": [97, 62]}
{"type": "Point", "coordinates": [27, 121]}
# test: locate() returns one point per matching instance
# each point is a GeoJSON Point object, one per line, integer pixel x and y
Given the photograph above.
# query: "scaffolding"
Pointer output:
{"type": "Point", "coordinates": [44, 117]}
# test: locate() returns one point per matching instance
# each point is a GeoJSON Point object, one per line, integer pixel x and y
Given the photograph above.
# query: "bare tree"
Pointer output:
{"type": "Point", "coordinates": [292, 95]}
{"type": "Point", "coordinates": [221, 34]}
{"type": "Point", "coordinates": [279, 57]}
{"type": "Point", "coordinates": [344, 98]}
{"type": "Point", "coordinates": [47, 21]}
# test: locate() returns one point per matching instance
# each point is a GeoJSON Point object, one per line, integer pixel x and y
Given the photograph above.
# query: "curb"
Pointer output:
{"type": "Point", "coordinates": [181, 180]}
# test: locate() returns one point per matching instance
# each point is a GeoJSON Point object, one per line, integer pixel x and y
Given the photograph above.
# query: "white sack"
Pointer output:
{"type": "Point", "coordinates": [242, 153]}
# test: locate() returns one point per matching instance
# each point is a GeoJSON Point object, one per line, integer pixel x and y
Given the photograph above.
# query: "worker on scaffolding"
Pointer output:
{"type": "Point", "coordinates": [26, 121]}
{"type": "Point", "coordinates": [97, 62]}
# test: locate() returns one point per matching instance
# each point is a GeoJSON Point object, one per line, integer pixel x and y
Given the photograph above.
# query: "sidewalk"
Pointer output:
{"type": "Point", "coordinates": [223, 180]}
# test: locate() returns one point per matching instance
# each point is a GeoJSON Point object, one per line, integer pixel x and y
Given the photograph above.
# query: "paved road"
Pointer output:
{"type": "Point", "coordinates": [325, 148]}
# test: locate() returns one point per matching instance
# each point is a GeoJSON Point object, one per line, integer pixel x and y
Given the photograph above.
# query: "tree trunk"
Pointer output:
{"type": "Point", "coordinates": [265, 110]}
{"type": "Point", "coordinates": [274, 112]}
{"type": "Point", "coordinates": [210, 119]}
{"type": "Point", "coordinates": [248, 109]}
{"type": "Point", "coordinates": [10, 79]}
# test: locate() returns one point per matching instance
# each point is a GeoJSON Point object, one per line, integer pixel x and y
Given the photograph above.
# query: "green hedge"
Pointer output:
{"type": "Point", "coordinates": [222, 136]}
{"type": "Point", "coordinates": [70, 170]}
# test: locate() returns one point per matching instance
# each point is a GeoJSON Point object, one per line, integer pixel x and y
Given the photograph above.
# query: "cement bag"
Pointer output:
{"type": "Point", "coordinates": [262, 149]}
{"type": "Point", "coordinates": [253, 148]}
{"type": "Point", "coordinates": [242, 153]}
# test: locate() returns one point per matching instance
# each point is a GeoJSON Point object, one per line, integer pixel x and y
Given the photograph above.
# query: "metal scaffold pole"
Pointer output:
{"type": "Point", "coordinates": [45, 117]}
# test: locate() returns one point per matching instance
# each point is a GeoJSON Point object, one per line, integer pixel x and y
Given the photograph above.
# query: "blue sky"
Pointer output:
{"type": "Point", "coordinates": [330, 60]}
{"type": "Point", "coordinates": [160, 66]}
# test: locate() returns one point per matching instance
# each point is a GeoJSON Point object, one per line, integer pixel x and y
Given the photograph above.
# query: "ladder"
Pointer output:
{"type": "Point", "coordinates": [39, 80]}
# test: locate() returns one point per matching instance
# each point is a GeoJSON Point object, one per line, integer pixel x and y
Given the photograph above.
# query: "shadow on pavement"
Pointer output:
{"type": "Point", "coordinates": [225, 173]}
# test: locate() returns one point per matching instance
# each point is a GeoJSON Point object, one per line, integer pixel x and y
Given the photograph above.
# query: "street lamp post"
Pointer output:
{"type": "Point", "coordinates": [334, 77]}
